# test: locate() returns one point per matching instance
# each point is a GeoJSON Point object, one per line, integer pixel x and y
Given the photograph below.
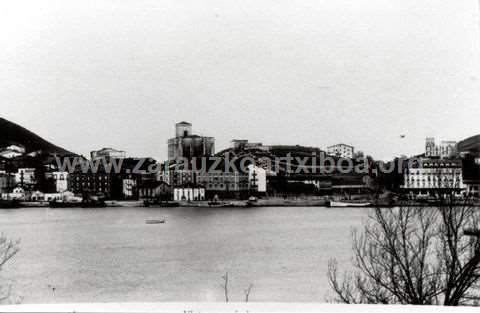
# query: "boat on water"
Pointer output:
{"type": "Point", "coordinates": [252, 201]}
{"type": "Point", "coordinates": [155, 221]}
{"type": "Point", "coordinates": [347, 204]}
{"type": "Point", "coordinates": [9, 204]}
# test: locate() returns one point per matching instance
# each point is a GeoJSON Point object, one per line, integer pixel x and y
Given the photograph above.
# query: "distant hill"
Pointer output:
{"type": "Point", "coordinates": [13, 134]}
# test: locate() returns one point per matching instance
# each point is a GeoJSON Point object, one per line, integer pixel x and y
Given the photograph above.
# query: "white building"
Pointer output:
{"type": "Point", "coordinates": [25, 176]}
{"type": "Point", "coordinates": [257, 178]}
{"type": "Point", "coordinates": [429, 177]}
{"type": "Point", "coordinates": [12, 151]}
{"type": "Point", "coordinates": [341, 150]}
{"type": "Point", "coordinates": [446, 149]}
{"type": "Point", "coordinates": [17, 194]}
{"type": "Point", "coordinates": [61, 183]}
{"type": "Point", "coordinates": [189, 193]}
{"type": "Point", "coordinates": [128, 187]}
{"type": "Point", "coordinates": [9, 154]}
{"type": "Point", "coordinates": [57, 196]}
{"type": "Point", "coordinates": [19, 149]}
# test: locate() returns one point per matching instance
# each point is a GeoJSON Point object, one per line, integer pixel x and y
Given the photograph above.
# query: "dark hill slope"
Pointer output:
{"type": "Point", "coordinates": [11, 134]}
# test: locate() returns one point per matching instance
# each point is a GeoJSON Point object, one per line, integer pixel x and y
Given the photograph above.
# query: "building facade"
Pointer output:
{"type": "Point", "coordinates": [159, 190]}
{"type": "Point", "coordinates": [18, 193]}
{"type": "Point", "coordinates": [257, 179]}
{"type": "Point", "coordinates": [341, 150]}
{"type": "Point", "coordinates": [61, 181]}
{"type": "Point", "coordinates": [226, 184]}
{"type": "Point", "coordinates": [25, 176]}
{"type": "Point", "coordinates": [89, 183]}
{"type": "Point", "coordinates": [189, 193]}
{"type": "Point", "coordinates": [444, 150]}
{"type": "Point", "coordinates": [7, 182]}
{"type": "Point", "coordinates": [469, 150]}
{"type": "Point", "coordinates": [431, 177]}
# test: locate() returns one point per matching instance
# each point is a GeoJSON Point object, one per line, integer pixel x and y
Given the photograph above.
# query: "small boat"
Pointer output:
{"type": "Point", "coordinates": [251, 201]}
{"type": "Point", "coordinates": [155, 221]}
{"type": "Point", "coordinates": [343, 204]}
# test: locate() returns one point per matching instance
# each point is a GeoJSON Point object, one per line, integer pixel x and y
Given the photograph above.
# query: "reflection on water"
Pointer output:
{"type": "Point", "coordinates": [111, 255]}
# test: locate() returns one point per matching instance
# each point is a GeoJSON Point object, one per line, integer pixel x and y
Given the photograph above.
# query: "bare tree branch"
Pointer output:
{"type": "Point", "coordinates": [225, 286]}
{"type": "Point", "coordinates": [247, 292]}
{"type": "Point", "coordinates": [414, 255]}
{"type": "Point", "coordinates": [8, 249]}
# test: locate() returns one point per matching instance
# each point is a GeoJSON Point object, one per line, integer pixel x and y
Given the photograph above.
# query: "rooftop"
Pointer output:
{"type": "Point", "coordinates": [340, 144]}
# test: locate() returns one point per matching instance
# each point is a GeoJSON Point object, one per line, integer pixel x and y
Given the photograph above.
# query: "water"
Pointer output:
{"type": "Point", "coordinates": [111, 255]}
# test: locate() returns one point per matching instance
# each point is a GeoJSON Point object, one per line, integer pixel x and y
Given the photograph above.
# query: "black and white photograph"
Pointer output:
{"type": "Point", "coordinates": [239, 156]}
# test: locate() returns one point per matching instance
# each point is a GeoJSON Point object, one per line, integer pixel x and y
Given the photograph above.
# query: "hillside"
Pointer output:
{"type": "Point", "coordinates": [11, 134]}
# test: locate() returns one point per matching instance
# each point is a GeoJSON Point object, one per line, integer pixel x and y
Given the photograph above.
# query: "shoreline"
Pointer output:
{"type": "Point", "coordinates": [266, 202]}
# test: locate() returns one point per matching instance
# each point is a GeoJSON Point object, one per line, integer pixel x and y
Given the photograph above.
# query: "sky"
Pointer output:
{"type": "Point", "coordinates": [91, 74]}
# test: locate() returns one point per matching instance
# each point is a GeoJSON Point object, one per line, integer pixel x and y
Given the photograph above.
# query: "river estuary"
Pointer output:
{"type": "Point", "coordinates": [112, 255]}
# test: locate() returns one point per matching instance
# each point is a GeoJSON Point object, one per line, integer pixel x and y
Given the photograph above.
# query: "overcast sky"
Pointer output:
{"type": "Point", "coordinates": [88, 74]}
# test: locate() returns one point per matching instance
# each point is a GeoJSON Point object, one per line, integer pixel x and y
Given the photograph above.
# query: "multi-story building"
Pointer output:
{"type": "Point", "coordinates": [471, 176]}
{"type": "Point", "coordinates": [214, 177]}
{"type": "Point", "coordinates": [121, 184]}
{"type": "Point", "coordinates": [469, 149]}
{"type": "Point", "coordinates": [25, 176]}
{"type": "Point", "coordinates": [61, 181]}
{"type": "Point", "coordinates": [431, 177]}
{"type": "Point", "coordinates": [189, 192]}
{"type": "Point", "coordinates": [187, 145]}
{"type": "Point", "coordinates": [226, 184]}
{"type": "Point", "coordinates": [341, 150]}
{"type": "Point", "coordinates": [108, 154]}
{"type": "Point", "coordinates": [158, 190]}
{"type": "Point", "coordinates": [89, 183]}
{"type": "Point", "coordinates": [229, 183]}
{"type": "Point", "coordinates": [445, 150]}
{"type": "Point", "coordinates": [7, 182]}
{"type": "Point", "coordinates": [257, 179]}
